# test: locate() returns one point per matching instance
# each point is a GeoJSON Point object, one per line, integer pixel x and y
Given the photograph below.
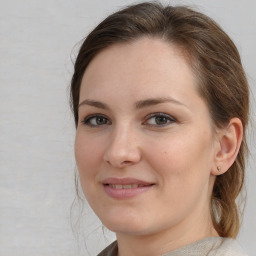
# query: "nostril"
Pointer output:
{"type": "Point", "coordinates": [108, 162]}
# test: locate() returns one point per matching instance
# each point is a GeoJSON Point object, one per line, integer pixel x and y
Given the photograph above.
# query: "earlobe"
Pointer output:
{"type": "Point", "coordinates": [229, 141]}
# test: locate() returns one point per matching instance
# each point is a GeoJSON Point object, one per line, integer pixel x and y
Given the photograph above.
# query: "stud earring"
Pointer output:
{"type": "Point", "coordinates": [218, 168]}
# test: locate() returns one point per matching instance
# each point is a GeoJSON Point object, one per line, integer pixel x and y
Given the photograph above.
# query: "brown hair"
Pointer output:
{"type": "Point", "coordinates": [217, 65]}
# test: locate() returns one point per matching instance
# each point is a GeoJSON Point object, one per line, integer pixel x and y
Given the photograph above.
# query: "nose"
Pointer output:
{"type": "Point", "coordinates": [123, 149]}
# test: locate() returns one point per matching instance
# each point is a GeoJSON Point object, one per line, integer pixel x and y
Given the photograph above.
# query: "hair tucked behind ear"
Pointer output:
{"type": "Point", "coordinates": [217, 65]}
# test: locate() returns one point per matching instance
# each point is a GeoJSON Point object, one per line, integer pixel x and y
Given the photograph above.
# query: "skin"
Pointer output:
{"type": "Point", "coordinates": [178, 154]}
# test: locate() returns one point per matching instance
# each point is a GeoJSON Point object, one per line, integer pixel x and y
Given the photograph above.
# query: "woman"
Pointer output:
{"type": "Point", "coordinates": [160, 102]}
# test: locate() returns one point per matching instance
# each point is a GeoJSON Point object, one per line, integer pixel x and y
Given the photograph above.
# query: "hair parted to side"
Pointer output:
{"type": "Point", "coordinates": [216, 63]}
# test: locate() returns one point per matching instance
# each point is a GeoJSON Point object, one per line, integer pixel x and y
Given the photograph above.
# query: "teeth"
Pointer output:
{"type": "Point", "coordinates": [125, 186]}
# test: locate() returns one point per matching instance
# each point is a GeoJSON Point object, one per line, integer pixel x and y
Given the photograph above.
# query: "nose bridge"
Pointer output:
{"type": "Point", "coordinates": [123, 148]}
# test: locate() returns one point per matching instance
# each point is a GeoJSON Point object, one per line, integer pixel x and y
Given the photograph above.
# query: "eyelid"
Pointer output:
{"type": "Point", "coordinates": [160, 114]}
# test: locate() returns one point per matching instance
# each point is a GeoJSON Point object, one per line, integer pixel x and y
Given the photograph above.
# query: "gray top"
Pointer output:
{"type": "Point", "coordinates": [212, 246]}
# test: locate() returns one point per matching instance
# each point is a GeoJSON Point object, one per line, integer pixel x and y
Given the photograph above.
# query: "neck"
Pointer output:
{"type": "Point", "coordinates": [169, 239]}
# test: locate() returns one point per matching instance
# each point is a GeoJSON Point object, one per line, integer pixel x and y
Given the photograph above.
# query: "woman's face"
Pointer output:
{"type": "Point", "coordinates": [144, 146]}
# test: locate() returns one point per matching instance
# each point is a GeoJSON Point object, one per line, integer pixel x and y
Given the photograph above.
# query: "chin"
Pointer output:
{"type": "Point", "coordinates": [125, 224]}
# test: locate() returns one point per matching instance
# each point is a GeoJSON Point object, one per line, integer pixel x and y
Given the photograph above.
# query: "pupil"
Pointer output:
{"type": "Point", "coordinates": [101, 120]}
{"type": "Point", "coordinates": [161, 120]}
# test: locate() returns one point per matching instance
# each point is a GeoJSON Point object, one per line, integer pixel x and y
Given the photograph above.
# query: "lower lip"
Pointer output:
{"type": "Point", "coordinates": [125, 193]}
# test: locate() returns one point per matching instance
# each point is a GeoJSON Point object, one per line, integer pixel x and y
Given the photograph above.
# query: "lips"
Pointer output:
{"type": "Point", "coordinates": [125, 188]}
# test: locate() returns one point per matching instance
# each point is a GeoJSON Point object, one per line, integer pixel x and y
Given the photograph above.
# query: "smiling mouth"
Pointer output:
{"type": "Point", "coordinates": [126, 188]}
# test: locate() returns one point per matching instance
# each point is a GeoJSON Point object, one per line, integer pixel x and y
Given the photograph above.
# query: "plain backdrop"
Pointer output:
{"type": "Point", "coordinates": [38, 39]}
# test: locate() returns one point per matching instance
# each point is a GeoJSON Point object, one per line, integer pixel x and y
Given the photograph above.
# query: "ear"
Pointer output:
{"type": "Point", "coordinates": [228, 140]}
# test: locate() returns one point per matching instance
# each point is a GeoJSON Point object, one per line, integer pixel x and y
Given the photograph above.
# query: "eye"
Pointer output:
{"type": "Point", "coordinates": [159, 119]}
{"type": "Point", "coordinates": [96, 120]}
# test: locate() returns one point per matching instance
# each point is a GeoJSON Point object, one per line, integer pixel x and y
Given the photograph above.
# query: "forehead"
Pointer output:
{"type": "Point", "coordinates": [146, 65]}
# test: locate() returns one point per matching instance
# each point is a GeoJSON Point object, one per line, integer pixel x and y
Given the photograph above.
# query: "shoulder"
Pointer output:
{"type": "Point", "coordinates": [212, 246]}
{"type": "Point", "coordinates": [111, 250]}
{"type": "Point", "coordinates": [229, 247]}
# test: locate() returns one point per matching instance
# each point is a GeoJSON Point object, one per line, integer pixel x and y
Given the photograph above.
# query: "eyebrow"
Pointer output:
{"type": "Point", "coordinates": [94, 103]}
{"type": "Point", "coordinates": [154, 101]}
{"type": "Point", "coordinates": [138, 105]}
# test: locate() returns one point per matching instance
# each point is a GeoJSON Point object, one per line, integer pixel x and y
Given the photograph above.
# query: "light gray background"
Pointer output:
{"type": "Point", "coordinates": [36, 127]}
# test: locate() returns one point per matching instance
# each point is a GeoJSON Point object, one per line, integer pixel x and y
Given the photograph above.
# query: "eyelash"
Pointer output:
{"type": "Point", "coordinates": [89, 118]}
{"type": "Point", "coordinates": [169, 119]}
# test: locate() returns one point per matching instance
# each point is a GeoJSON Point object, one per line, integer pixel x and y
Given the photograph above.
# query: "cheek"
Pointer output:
{"type": "Point", "coordinates": [182, 166]}
{"type": "Point", "coordinates": [181, 156]}
{"type": "Point", "coordinates": [170, 151]}
{"type": "Point", "coordinates": [87, 155]}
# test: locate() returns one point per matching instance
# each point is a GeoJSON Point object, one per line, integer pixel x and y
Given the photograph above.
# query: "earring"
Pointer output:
{"type": "Point", "coordinates": [218, 168]}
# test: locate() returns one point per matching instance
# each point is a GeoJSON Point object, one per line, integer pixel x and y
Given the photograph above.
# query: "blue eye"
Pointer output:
{"type": "Point", "coordinates": [159, 119]}
{"type": "Point", "coordinates": [96, 120]}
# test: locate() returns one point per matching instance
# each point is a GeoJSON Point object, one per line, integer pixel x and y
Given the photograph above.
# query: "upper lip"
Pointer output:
{"type": "Point", "coordinates": [125, 181]}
